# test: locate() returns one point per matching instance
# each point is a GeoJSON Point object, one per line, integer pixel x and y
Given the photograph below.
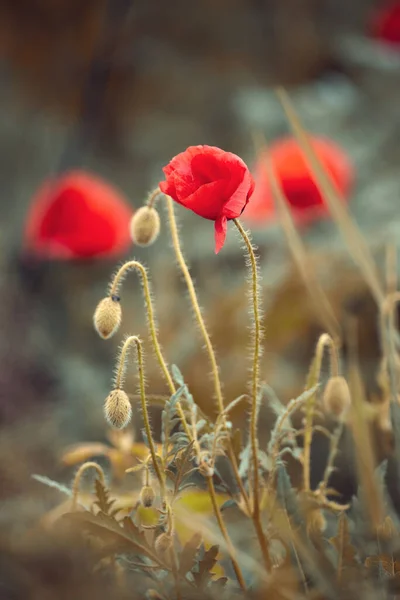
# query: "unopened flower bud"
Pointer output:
{"type": "Point", "coordinates": [147, 496]}
{"type": "Point", "coordinates": [145, 226]}
{"type": "Point", "coordinates": [163, 543]}
{"type": "Point", "coordinates": [336, 399]}
{"type": "Point", "coordinates": [107, 316]}
{"type": "Point", "coordinates": [117, 409]}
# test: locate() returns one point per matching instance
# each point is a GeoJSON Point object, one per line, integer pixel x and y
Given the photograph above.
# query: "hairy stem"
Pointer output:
{"type": "Point", "coordinates": [195, 304]}
{"type": "Point", "coordinates": [203, 329]}
{"type": "Point", "coordinates": [257, 335]}
{"type": "Point", "coordinates": [133, 339]}
{"type": "Point", "coordinates": [78, 477]}
{"type": "Point", "coordinates": [114, 288]}
{"type": "Point", "coordinates": [225, 534]}
{"type": "Point", "coordinates": [256, 364]}
{"type": "Point", "coordinates": [129, 266]}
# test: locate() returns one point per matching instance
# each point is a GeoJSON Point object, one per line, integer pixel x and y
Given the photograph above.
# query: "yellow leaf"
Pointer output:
{"type": "Point", "coordinates": [79, 453]}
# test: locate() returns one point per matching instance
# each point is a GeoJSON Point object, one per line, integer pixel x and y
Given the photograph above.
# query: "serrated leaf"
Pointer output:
{"type": "Point", "coordinates": [177, 375]}
{"type": "Point", "coordinates": [187, 558]}
{"type": "Point", "coordinates": [118, 538]}
{"type": "Point", "coordinates": [203, 574]}
{"type": "Point", "coordinates": [103, 497]}
{"type": "Point", "coordinates": [347, 553]}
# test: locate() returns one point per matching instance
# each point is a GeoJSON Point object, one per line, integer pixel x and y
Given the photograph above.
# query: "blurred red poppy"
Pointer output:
{"type": "Point", "coordinates": [214, 184]}
{"type": "Point", "coordinates": [298, 184]}
{"type": "Point", "coordinates": [385, 24]}
{"type": "Point", "coordinates": [77, 216]}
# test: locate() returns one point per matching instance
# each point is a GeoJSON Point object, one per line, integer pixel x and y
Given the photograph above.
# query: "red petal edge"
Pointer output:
{"type": "Point", "coordinates": [221, 226]}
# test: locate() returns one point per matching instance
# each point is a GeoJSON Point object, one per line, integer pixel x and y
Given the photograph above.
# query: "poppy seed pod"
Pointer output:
{"type": "Point", "coordinates": [336, 399]}
{"type": "Point", "coordinates": [107, 316]}
{"type": "Point", "coordinates": [145, 226]}
{"type": "Point", "coordinates": [117, 409]}
{"type": "Point", "coordinates": [147, 496]}
{"type": "Point", "coordinates": [163, 543]}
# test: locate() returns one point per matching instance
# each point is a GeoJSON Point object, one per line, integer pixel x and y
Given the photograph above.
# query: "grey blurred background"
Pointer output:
{"type": "Point", "coordinates": [119, 88]}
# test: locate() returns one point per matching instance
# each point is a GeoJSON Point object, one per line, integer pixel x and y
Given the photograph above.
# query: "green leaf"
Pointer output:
{"type": "Point", "coordinates": [203, 574]}
{"type": "Point", "coordinates": [187, 558]}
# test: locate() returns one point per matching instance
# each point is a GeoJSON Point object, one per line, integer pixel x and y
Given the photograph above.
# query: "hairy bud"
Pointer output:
{"type": "Point", "coordinates": [336, 399]}
{"type": "Point", "coordinates": [145, 226]}
{"type": "Point", "coordinates": [147, 496]}
{"type": "Point", "coordinates": [163, 543]}
{"type": "Point", "coordinates": [117, 409]}
{"type": "Point", "coordinates": [107, 316]}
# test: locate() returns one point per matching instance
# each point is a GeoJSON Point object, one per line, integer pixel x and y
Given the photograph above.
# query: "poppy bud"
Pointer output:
{"type": "Point", "coordinates": [336, 399]}
{"type": "Point", "coordinates": [145, 226]}
{"type": "Point", "coordinates": [117, 409]}
{"type": "Point", "coordinates": [107, 316]}
{"type": "Point", "coordinates": [147, 496]}
{"type": "Point", "coordinates": [163, 543]}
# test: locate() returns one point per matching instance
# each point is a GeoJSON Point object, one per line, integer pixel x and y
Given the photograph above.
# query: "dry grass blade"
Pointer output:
{"type": "Point", "coordinates": [351, 234]}
{"type": "Point", "coordinates": [319, 299]}
{"type": "Point", "coordinates": [365, 459]}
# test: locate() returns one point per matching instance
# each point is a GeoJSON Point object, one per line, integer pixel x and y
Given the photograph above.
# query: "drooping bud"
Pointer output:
{"type": "Point", "coordinates": [107, 316]}
{"type": "Point", "coordinates": [163, 543]}
{"type": "Point", "coordinates": [336, 399]}
{"type": "Point", "coordinates": [147, 496]}
{"type": "Point", "coordinates": [145, 226]}
{"type": "Point", "coordinates": [117, 409]}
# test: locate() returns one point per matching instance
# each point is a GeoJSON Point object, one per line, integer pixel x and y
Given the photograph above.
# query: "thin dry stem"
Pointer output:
{"type": "Point", "coordinates": [351, 234]}
{"type": "Point", "coordinates": [78, 477]}
{"type": "Point", "coordinates": [298, 251]}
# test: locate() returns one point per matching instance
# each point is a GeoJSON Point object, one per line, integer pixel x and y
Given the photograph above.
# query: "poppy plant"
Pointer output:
{"type": "Point", "coordinates": [298, 184]}
{"type": "Point", "coordinates": [77, 216]}
{"type": "Point", "coordinates": [214, 184]}
{"type": "Point", "coordinates": [385, 25]}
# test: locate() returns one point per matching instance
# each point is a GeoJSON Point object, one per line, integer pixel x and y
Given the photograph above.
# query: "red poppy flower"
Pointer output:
{"type": "Point", "coordinates": [385, 24]}
{"type": "Point", "coordinates": [213, 183]}
{"type": "Point", "coordinates": [77, 216]}
{"type": "Point", "coordinates": [298, 184]}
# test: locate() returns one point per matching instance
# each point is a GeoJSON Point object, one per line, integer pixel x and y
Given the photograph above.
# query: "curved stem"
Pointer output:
{"type": "Point", "coordinates": [133, 339]}
{"type": "Point", "coordinates": [78, 477]}
{"type": "Point", "coordinates": [325, 340]}
{"type": "Point", "coordinates": [225, 534]}
{"type": "Point", "coordinates": [203, 329]}
{"type": "Point", "coordinates": [114, 288]}
{"type": "Point", "coordinates": [195, 304]}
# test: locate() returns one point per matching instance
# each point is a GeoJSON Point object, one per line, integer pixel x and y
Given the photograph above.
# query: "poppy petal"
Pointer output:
{"type": "Point", "coordinates": [220, 228]}
{"type": "Point", "coordinates": [77, 216]}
